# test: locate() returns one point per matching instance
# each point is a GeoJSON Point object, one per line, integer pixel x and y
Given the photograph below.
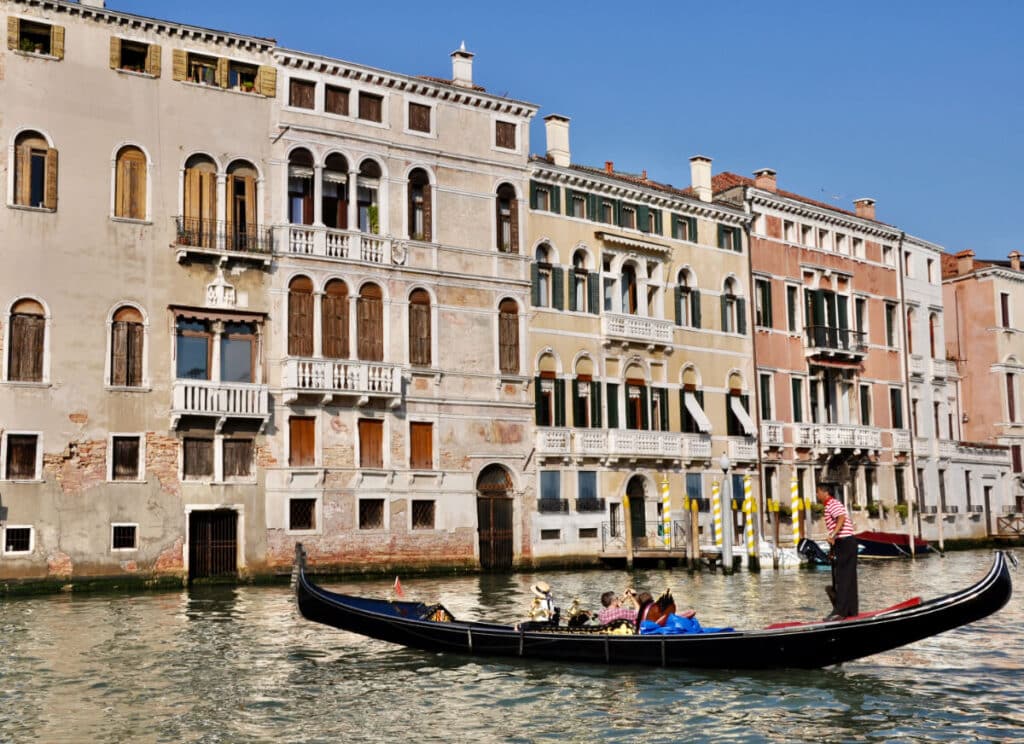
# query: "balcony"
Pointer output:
{"type": "Point", "coordinates": [804, 435]}
{"type": "Point", "coordinates": [609, 444]}
{"type": "Point", "coordinates": [947, 449]}
{"type": "Point", "coordinates": [901, 440]}
{"type": "Point", "coordinates": [836, 342]}
{"type": "Point", "coordinates": [649, 332]}
{"type": "Point", "coordinates": [742, 449]}
{"type": "Point", "coordinates": [553, 506]}
{"type": "Point", "coordinates": [219, 400]}
{"type": "Point", "coordinates": [772, 434]}
{"type": "Point", "coordinates": [917, 365]}
{"type": "Point", "coordinates": [343, 245]}
{"type": "Point", "coordinates": [922, 447]}
{"type": "Point", "coordinates": [943, 369]}
{"type": "Point", "coordinates": [329, 378]}
{"type": "Point", "coordinates": [590, 506]}
{"type": "Point", "coordinates": [199, 237]}
{"type": "Point", "coordinates": [982, 453]}
{"type": "Point", "coordinates": [554, 443]}
{"type": "Point", "coordinates": [846, 436]}
{"type": "Point", "coordinates": [696, 447]}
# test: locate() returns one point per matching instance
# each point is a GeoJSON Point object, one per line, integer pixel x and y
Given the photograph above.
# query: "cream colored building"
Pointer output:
{"type": "Point", "coordinates": [640, 350]}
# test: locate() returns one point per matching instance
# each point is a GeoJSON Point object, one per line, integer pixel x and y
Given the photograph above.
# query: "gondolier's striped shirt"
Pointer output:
{"type": "Point", "coordinates": [833, 510]}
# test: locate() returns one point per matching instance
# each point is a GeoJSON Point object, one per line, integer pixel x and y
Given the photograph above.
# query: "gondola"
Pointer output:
{"type": "Point", "coordinates": [784, 645]}
{"type": "Point", "coordinates": [889, 545]}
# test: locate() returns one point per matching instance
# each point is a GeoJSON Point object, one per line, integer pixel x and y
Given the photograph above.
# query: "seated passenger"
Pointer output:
{"type": "Point", "coordinates": [613, 609]}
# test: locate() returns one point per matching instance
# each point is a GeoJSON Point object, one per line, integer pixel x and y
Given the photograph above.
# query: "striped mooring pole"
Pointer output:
{"type": "Point", "coordinates": [749, 510]}
{"type": "Point", "coordinates": [795, 507]}
{"type": "Point", "coordinates": [666, 513]}
{"type": "Point", "coordinates": [716, 511]}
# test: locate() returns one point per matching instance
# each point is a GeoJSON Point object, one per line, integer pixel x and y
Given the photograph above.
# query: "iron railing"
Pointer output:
{"type": "Point", "coordinates": [586, 506]}
{"type": "Point", "coordinates": [222, 236]}
{"type": "Point", "coordinates": [836, 339]}
{"type": "Point", "coordinates": [553, 506]}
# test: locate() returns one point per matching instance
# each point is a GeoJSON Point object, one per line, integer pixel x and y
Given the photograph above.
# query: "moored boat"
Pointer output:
{"type": "Point", "coordinates": [782, 645]}
{"type": "Point", "coordinates": [889, 545]}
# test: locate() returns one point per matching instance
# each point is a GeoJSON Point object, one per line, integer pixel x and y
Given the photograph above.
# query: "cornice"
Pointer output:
{"type": "Point", "coordinates": [796, 207]}
{"type": "Point", "coordinates": [297, 60]}
{"type": "Point", "coordinates": [633, 243]}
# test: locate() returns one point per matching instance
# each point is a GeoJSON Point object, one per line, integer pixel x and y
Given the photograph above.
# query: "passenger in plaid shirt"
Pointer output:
{"type": "Point", "coordinates": [613, 609]}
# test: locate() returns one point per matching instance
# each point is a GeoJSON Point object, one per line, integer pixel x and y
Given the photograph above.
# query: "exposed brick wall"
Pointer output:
{"type": "Point", "coordinates": [265, 457]}
{"type": "Point", "coordinates": [59, 564]}
{"type": "Point", "coordinates": [162, 462]}
{"type": "Point", "coordinates": [79, 467]}
{"type": "Point", "coordinates": [171, 560]}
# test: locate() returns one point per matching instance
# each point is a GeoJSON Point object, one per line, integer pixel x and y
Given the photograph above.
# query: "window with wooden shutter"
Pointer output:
{"type": "Point", "coordinates": [371, 443]}
{"type": "Point", "coordinates": [130, 184]}
{"type": "Point", "coordinates": [505, 135]}
{"type": "Point", "coordinates": [27, 338]}
{"type": "Point", "coordinates": [301, 441]}
{"type": "Point", "coordinates": [126, 353]}
{"type": "Point", "coordinates": [335, 320]}
{"type": "Point", "coordinates": [242, 77]}
{"type": "Point", "coordinates": [21, 456]}
{"type": "Point", "coordinates": [223, 72]}
{"type": "Point", "coordinates": [266, 81]}
{"type": "Point", "coordinates": [125, 458]}
{"type": "Point", "coordinates": [300, 317]}
{"type": "Point", "coordinates": [131, 56]}
{"type": "Point", "coordinates": [153, 60]}
{"type": "Point", "coordinates": [508, 337]}
{"type": "Point", "coordinates": [420, 211]}
{"type": "Point", "coordinates": [179, 64]}
{"type": "Point", "coordinates": [202, 69]}
{"type": "Point", "coordinates": [507, 219]}
{"type": "Point", "coordinates": [300, 187]}
{"type": "Point", "coordinates": [35, 171]}
{"type": "Point", "coordinates": [238, 456]}
{"type": "Point", "coordinates": [371, 106]}
{"type": "Point", "coordinates": [421, 445]}
{"type": "Point", "coordinates": [336, 100]}
{"type": "Point", "coordinates": [242, 233]}
{"type": "Point", "coordinates": [199, 223]}
{"type": "Point", "coordinates": [57, 41]}
{"type": "Point", "coordinates": [13, 32]}
{"type": "Point", "coordinates": [419, 328]}
{"type": "Point", "coordinates": [370, 323]}
{"type": "Point", "coordinates": [197, 458]}
{"type": "Point", "coordinates": [419, 117]}
{"type": "Point", "coordinates": [301, 93]}
{"type": "Point", "coordinates": [32, 37]}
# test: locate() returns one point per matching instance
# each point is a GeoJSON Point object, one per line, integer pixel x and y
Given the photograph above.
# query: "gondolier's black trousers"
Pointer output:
{"type": "Point", "coordinates": [847, 602]}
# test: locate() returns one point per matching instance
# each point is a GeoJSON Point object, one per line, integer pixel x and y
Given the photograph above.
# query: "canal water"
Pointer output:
{"type": "Point", "coordinates": [226, 664]}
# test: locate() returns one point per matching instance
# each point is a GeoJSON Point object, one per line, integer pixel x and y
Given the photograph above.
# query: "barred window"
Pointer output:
{"type": "Point", "coordinates": [423, 515]}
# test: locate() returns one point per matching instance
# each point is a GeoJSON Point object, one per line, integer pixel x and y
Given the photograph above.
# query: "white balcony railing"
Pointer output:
{"type": "Point", "coordinates": [922, 447]}
{"type": "Point", "coordinates": [220, 400]}
{"type": "Point", "coordinates": [610, 443]}
{"type": "Point", "coordinates": [742, 448]}
{"type": "Point", "coordinates": [947, 448]}
{"type": "Point", "coordinates": [638, 443]}
{"type": "Point", "coordinates": [845, 435]}
{"type": "Point", "coordinates": [901, 440]}
{"type": "Point", "coordinates": [917, 365]}
{"type": "Point", "coordinates": [326, 242]}
{"type": "Point", "coordinates": [772, 434]}
{"type": "Point", "coordinates": [697, 446]}
{"type": "Point", "coordinates": [341, 377]}
{"type": "Point", "coordinates": [943, 368]}
{"type": "Point", "coordinates": [804, 435]}
{"type": "Point", "coordinates": [553, 442]}
{"type": "Point", "coordinates": [637, 328]}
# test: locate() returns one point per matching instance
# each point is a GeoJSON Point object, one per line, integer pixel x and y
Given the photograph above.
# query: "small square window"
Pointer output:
{"type": "Point", "coordinates": [302, 514]}
{"type": "Point", "coordinates": [419, 117]}
{"type": "Point", "coordinates": [579, 207]}
{"type": "Point", "coordinates": [125, 456]}
{"type": "Point", "coordinates": [336, 100]}
{"type": "Point", "coordinates": [242, 77]}
{"type": "Point", "coordinates": [423, 515]}
{"type": "Point", "coordinates": [202, 69]}
{"type": "Point", "coordinates": [371, 514]}
{"type": "Point", "coordinates": [124, 537]}
{"type": "Point", "coordinates": [133, 55]}
{"type": "Point", "coordinates": [301, 93]}
{"type": "Point", "coordinates": [550, 534]}
{"type": "Point", "coordinates": [588, 533]}
{"type": "Point", "coordinates": [505, 135]}
{"type": "Point", "coordinates": [17, 540]}
{"type": "Point", "coordinates": [35, 38]}
{"type": "Point", "coordinates": [371, 107]}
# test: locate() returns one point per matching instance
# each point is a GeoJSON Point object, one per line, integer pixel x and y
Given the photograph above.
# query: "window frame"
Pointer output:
{"type": "Point", "coordinates": [303, 84]}
{"type": "Point", "coordinates": [347, 113]}
{"type": "Point", "coordinates": [7, 352]}
{"type": "Point", "coordinates": [383, 514]}
{"type": "Point", "coordinates": [766, 384]}
{"type": "Point", "coordinates": [135, 537]}
{"type": "Point", "coordinates": [426, 429]}
{"type": "Point", "coordinates": [370, 97]}
{"type": "Point", "coordinates": [140, 465]}
{"type": "Point", "coordinates": [316, 515]}
{"type": "Point", "coordinates": [499, 125]}
{"type": "Point", "coordinates": [763, 302]}
{"type": "Point", "coordinates": [31, 540]}
{"type": "Point", "coordinates": [210, 477]}
{"type": "Point", "coordinates": [413, 526]}
{"type": "Point", "coordinates": [145, 198]}
{"type": "Point", "coordinates": [37, 476]}
{"type": "Point", "coordinates": [431, 131]}
{"type": "Point", "coordinates": [362, 449]}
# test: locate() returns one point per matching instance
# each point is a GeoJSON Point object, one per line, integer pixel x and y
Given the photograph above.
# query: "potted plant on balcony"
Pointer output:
{"type": "Point", "coordinates": [26, 45]}
{"type": "Point", "coordinates": [873, 510]}
{"type": "Point", "coordinates": [373, 214]}
{"type": "Point", "coordinates": [248, 86]}
{"type": "Point", "coordinates": [901, 510]}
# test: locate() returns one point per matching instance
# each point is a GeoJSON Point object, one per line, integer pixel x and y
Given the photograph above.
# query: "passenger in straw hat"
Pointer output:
{"type": "Point", "coordinates": [543, 603]}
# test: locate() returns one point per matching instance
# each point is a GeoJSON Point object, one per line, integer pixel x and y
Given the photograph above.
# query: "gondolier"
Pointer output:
{"type": "Point", "coordinates": [844, 546]}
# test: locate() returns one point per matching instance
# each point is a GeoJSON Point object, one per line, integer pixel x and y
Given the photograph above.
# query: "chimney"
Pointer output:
{"type": "Point", "coordinates": [609, 167]}
{"type": "Point", "coordinates": [556, 129]}
{"type": "Point", "coordinates": [700, 177]}
{"type": "Point", "coordinates": [865, 208]}
{"type": "Point", "coordinates": [1015, 260]}
{"type": "Point", "coordinates": [964, 262]}
{"type": "Point", "coordinates": [765, 179]}
{"type": "Point", "coordinates": [462, 67]}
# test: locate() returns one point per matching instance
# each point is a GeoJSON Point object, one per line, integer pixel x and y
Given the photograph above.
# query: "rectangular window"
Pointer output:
{"type": "Point", "coordinates": [792, 308]}
{"type": "Point", "coordinates": [858, 248]}
{"type": "Point", "coordinates": [887, 254]}
{"type": "Point", "coordinates": [129, 55]}
{"type": "Point", "coordinates": [371, 443]}
{"type": "Point", "coordinates": [588, 533]}
{"type": "Point", "coordinates": [865, 405]}
{"type": "Point", "coordinates": [860, 316]}
{"type": "Point", "coordinates": [238, 457]}
{"type": "Point", "coordinates": [242, 77]}
{"type": "Point", "coordinates": [578, 207]}
{"type": "Point", "coordinates": [419, 117]}
{"type": "Point", "coordinates": [17, 540]}
{"type": "Point", "coordinates": [421, 439]}
{"type": "Point", "coordinates": [908, 263]}
{"type": "Point", "coordinates": [890, 325]}
{"type": "Point", "coordinates": [734, 427]}
{"type": "Point", "coordinates": [505, 135]}
{"type": "Point", "coordinates": [423, 514]}
{"type": "Point", "coordinates": [1011, 397]}
{"type": "Point", "coordinates": [967, 486]}
{"type": "Point", "coordinates": [197, 458]}
{"type": "Point", "coordinates": [920, 485]}
{"type": "Point", "coordinates": [607, 215]}
{"type": "Point", "coordinates": [550, 534]}
{"type": "Point", "coordinates": [763, 302]}
{"type": "Point", "coordinates": [933, 274]}
{"type": "Point", "coordinates": [766, 397]}
{"type": "Point", "coordinates": [371, 514]}
{"type": "Point", "coordinates": [202, 70]}
{"type": "Point", "coordinates": [301, 93]}
{"type": "Point", "coordinates": [22, 450]}
{"type": "Point", "coordinates": [841, 245]}
{"type": "Point", "coordinates": [896, 407]}
{"type": "Point", "coordinates": [33, 38]}
{"type": "Point", "coordinates": [807, 235]}
{"type": "Point", "coordinates": [1004, 309]}
{"type": "Point", "coordinates": [869, 485]}
{"type": "Point", "coordinates": [550, 485]}
{"type": "Point", "coordinates": [797, 386]}
{"type": "Point", "coordinates": [824, 240]}
{"type": "Point", "coordinates": [1016, 461]}
{"type": "Point", "coordinates": [302, 514]}
{"type": "Point", "coordinates": [371, 106]}
{"type": "Point", "coordinates": [729, 238]}
{"type": "Point", "coordinates": [336, 100]}
{"type": "Point", "coordinates": [628, 217]}
{"type": "Point", "coordinates": [301, 441]}
{"type": "Point", "coordinates": [237, 352]}
{"type": "Point", "coordinates": [690, 424]}
{"type": "Point", "coordinates": [125, 458]}
{"type": "Point", "coordinates": [124, 537]}
{"type": "Point", "coordinates": [901, 486]}
{"type": "Point", "coordinates": [942, 491]}
{"type": "Point", "coordinates": [193, 341]}
{"type": "Point", "coordinates": [788, 231]}
{"type": "Point", "coordinates": [694, 487]}
{"type": "Point", "coordinates": [586, 489]}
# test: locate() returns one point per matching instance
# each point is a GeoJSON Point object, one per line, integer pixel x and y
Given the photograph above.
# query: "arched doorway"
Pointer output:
{"type": "Point", "coordinates": [637, 508]}
{"type": "Point", "coordinates": [494, 518]}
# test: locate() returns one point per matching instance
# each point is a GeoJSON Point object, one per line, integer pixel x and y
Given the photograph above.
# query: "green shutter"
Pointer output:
{"type": "Point", "coordinates": [593, 208]}
{"type": "Point", "coordinates": [616, 211]}
{"type": "Point", "coordinates": [645, 409]}
{"type": "Point", "coordinates": [844, 312]}
{"type": "Point", "coordinates": [557, 287]}
{"type": "Point", "coordinates": [664, 408]}
{"type": "Point", "coordinates": [721, 236]}
{"type": "Point", "coordinates": [725, 312]}
{"type": "Point", "coordinates": [595, 405]}
{"type": "Point", "coordinates": [768, 305]}
{"type": "Point", "coordinates": [559, 402]}
{"type": "Point", "coordinates": [642, 216]}
{"type": "Point", "coordinates": [741, 315]}
{"type": "Point", "coordinates": [576, 418]}
{"type": "Point", "coordinates": [693, 229]}
{"type": "Point", "coordinates": [573, 283]}
{"type": "Point", "coordinates": [533, 194]}
{"type": "Point", "coordinates": [594, 292]}
{"type": "Point", "coordinates": [675, 225]}
{"type": "Point", "coordinates": [613, 404]}
{"type": "Point", "coordinates": [568, 202]}
{"type": "Point", "coordinates": [657, 221]}
{"type": "Point", "coordinates": [684, 415]}
{"type": "Point", "coordinates": [678, 301]}
{"type": "Point", "coordinates": [556, 199]}
{"type": "Point", "coordinates": [538, 402]}
{"type": "Point", "coordinates": [535, 284]}
{"type": "Point", "coordinates": [695, 308]}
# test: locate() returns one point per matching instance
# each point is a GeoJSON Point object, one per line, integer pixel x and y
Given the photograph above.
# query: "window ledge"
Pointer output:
{"type": "Point", "coordinates": [22, 480]}
{"type": "Point", "coordinates": [127, 389]}
{"type": "Point", "coordinates": [36, 55]}
{"type": "Point", "coordinates": [27, 208]}
{"type": "Point", "coordinates": [127, 482]}
{"type": "Point", "coordinates": [130, 220]}
{"type": "Point", "coordinates": [418, 133]}
{"type": "Point", "coordinates": [302, 532]}
{"type": "Point", "coordinates": [124, 550]}
{"type": "Point", "coordinates": [135, 73]}
{"type": "Point", "coordinates": [24, 384]}
{"type": "Point", "coordinates": [17, 553]}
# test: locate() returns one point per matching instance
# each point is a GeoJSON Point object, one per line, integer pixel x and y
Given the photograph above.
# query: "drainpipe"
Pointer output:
{"type": "Point", "coordinates": [900, 263]}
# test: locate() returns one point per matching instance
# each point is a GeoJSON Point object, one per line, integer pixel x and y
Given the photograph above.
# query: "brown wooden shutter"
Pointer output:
{"type": "Point", "coordinates": [428, 211]}
{"type": "Point", "coordinates": [137, 195]}
{"type": "Point", "coordinates": [222, 72]}
{"type": "Point", "coordinates": [370, 319]}
{"type": "Point", "coordinates": [27, 339]}
{"type": "Point", "coordinates": [21, 456]}
{"type": "Point", "coordinates": [126, 458]}
{"type": "Point", "coordinates": [421, 455]}
{"type": "Point", "coordinates": [179, 58]}
{"type": "Point", "coordinates": [419, 333]}
{"type": "Point", "coordinates": [198, 457]}
{"type": "Point", "coordinates": [229, 213]}
{"type": "Point", "coordinates": [237, 458]}
{"type": "Point", "coordinates": [513, 209]}
{"type": "Point", "coordinates": [57, 41]}
{"type": "Point", "coordinates": [302, 441]}
{"type": "Point", "coordinates": [209, 197]}
{"type": "Point", "coordinates": [50, 194]}
{"type": "Point", "coordinates": [136, 336]}
{"type": "Point", "coordinates": [119, 353]}
{"type": "Point", "coordinates": [371, 439]}
{"type": "Point", "coordinates": [13, 32]}
{"type": "Point", "coordinates": [153, 60]}
{"type": "Point", "coordinates": [266, 81]}
{"type": "Point", "coordinates": [23, 175]}
{"type": "Point", "coordinates": [508, 339]}
{"type": "Point", "coordinates": [250, 202]}
{"type": "Point", "coordinates": [335, 326]}
{"type": "Point", "coordinates": [120, 184]}
{"type": "Point", "coordinates": [300, 323]}
{"type": "Point", "coordinates": [115, 52]}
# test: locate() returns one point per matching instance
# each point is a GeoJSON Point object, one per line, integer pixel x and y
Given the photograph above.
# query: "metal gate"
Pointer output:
{"type": "Point", "coordinates": [494, 517]}
{"type": "Point", "coordinates": [212, 543]}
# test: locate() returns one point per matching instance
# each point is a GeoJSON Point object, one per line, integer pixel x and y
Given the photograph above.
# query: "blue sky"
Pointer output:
{"type": "Point", "coordinates": [919, 105]}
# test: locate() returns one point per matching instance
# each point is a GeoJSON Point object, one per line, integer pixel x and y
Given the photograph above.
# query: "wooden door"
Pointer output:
{"type": "Point", "coordinates": [302, 441]}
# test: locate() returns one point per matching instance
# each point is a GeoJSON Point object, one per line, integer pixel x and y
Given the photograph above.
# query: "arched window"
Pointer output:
{"type": "Point", "coordinates": [26, 342]}
{"type": "Point", "coordinates": [629, 290]}
{"type": "Point", "coordinates": [35, 171]}
{"type": "Point", "coordinates": [335, 320]}
{"type": "Point", "coordinates": [420, 205]}
{"type": "Point", "coordinates": [130, 178]}
{"type": "Point", "coordinates": [637, 406]}
{"type": "Point", "coordinates": [300, 187]}
{"type": "Point", "coordinates": [367, 197]}
{"type": "Point", "coordinates": [419, 328]}
{"type": "Point", "coordinates": [334, 182]}
{"type": "Point", "coordinates": [127, 335]}
{"type": "Point", "coordinates": [508, 337]}
{"type": "Point", "coordinates": [687, 301]}
{"type": "Point", "coordinates": [541, 278]}
{"type": "Point", "coordinates": [734, 319]}
{"type": "Point", "coordinates": [300, 317]}
{"type": "Point", "coordinates": [549, 394]}
{"type": "Point", "coordinates": [586, 396]}
{"type": "Point", "coordinates": [199, 222]}
{"type": "Point", "coordinates": [583, 291]}
{"type": "Point", "coordinates": [507, 219]}
{"type": "Point", "coordinates": [370, 317]}
{"type": "Point", "coordinates": [242, 233]}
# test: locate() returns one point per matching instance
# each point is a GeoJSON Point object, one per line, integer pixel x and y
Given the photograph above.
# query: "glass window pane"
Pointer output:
{"type": "Point", "coordinates": [549, 484]}
{"type": "Point", "coordinates": [193, 358]}
{"type": "Point", "coordinates": [588, 484]}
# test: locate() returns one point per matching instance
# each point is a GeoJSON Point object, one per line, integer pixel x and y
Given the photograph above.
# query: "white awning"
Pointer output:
{"type": "Point", "coordinates": [741, 414]}
{"type": "Point", "coordinates": [693, 406]}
